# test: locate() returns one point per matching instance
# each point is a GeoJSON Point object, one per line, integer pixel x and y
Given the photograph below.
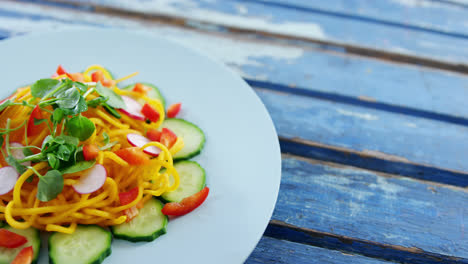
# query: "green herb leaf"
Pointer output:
{"type": "Point", "coordinates": [115, 100]}
{"type": "Point", "coordinates": [81, 86]}
{"type": "Point", "coordinates": [80, 127]}
{"type": "Point", "coordinates": [106, 138]}
{"type": "Point", "coordinates": [53, 161]}
{"type": "Point", "coordinates": [111, 110]}
{"type": "Point", "coordinates": [34, 158]}
{"type": "Point", "coordinates": [50, 185]}
{"type": "Point", "coordinates": [108, 145]}
{"type": "Point", "coordinates": [39, 121]}
{"type": "Point", "coordinates": [58, 140]}
{"type": "Point", "coordinates": [65, 151]}
{"type": "Point", "coordinates": [68, 98]}
{"type": "Point", "coordinates": [15, 164]}
{"type": "Point", "coordinates": [47, 141]}
{"type": "Point", "coordinates": [58, 116]}
{"type": "Point", "coordinates": [81, 107]}
{"type": "Point", "coordinates": [1, 140]}
{"type": "Point", "coordinates": [68, 140]}
{"type": "Point", "coordinates": [5, 104]}
{"type": "Point", "coordinates": [43, 87]}
{"type": "Point", "coordinates": [79, 166]}
{"type": "Point", "coordinates": [79, 154]}
{"type": "Point", "coordinates": [97, 101]}
{"type": "Point", "coordinates": [27, 152]}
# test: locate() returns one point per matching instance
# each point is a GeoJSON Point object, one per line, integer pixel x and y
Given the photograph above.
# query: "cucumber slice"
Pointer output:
{"type": "Point", "coordinates": [7, 255]}
{"type": "Point", "coordinates": [192, 180]}
{"type": "Point", "coordinates": [148, 225]}
{"type": "Point", "coordinates": [153, 93]}
{"type": "Point", "coordinates": [194, 138]}
{"type": "Point", "coordinates": [88, 244]}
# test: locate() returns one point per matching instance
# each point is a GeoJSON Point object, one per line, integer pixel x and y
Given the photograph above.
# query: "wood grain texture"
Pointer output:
{"type": "Point", "coordinates": [299, 23]}
{"type": "Point", "coordinates": [374, 132]}
{"type": "Point", "coordinates": [364, 101]}
{"type": "Point", "coordinates": [376, 161]}
{"type": "Point", "coordinates": [443, 17]}
{"type": "Point", "coordinates": [345, 201]}
{"type": "Point", "coordinates": [363, 205]}
{"type": "Point", "coordinates": [353, 127]}
{"type": "Point", "coordinates": [271, 250]}
{"type": "Point", "coordinates": [402, 86]}
{"type": "Point", "coordinates": [373, 249]}
{"type": "Point", "coordinates": [359, 78]}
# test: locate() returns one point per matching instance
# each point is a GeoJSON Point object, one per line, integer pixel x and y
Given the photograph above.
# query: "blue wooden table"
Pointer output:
{"type": "Point", "coordinates": [369, 99]}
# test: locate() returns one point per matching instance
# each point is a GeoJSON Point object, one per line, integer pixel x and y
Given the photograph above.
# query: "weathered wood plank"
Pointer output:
{"type": "Point", "coordinates": [372, 161]}
{"type": "Point", "coordinates": [363, 101]}
{"type": "Point", "coordinates": [441, 17]}
{"type": "Point", "coordinates": [271, 250]}
{"type": "Point", "coordinates": [362, 133]}
{"type": "Point", "coordinates": [461, 3]}
{"type": "Point", "coordinates": [364, 205]}
{"type": "Point", "coordinates": [374, 132]}
{"type": "Point", "coordinates": [359, 78]}
{"type": "Point", "coordinates": [373, 249]}
{"type": "Point", "coordinates": [297, 23]}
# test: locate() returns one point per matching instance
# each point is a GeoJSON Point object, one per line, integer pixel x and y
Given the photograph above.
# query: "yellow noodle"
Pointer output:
{"type": "Point", "coordinates": [61, 229]}
{"type": "Point", "coordinates": [22, 209]}
{"type": "Point", "coordinates": [110, 119]}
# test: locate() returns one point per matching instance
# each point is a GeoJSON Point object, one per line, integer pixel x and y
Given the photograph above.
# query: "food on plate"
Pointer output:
{"type": "Point", "coordinates": [81, 156]}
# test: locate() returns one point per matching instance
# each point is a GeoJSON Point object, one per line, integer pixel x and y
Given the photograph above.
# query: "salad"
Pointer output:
{"type": "Point", "coordinates": [89, 161]}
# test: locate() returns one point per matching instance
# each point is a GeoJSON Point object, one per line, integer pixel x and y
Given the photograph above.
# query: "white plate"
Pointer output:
{"type": "Point", "coordinates": [241, 156]}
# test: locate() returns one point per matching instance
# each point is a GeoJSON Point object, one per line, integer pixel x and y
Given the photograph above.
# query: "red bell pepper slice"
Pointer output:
{"type": "Point", "coordinates": [108, 83]}
{"type": "Point", "coordinates": [90, 152]}
{"type": "Point", "coordinates": [187, 205]}
{"type": "Point", "coordinates": [149, 112]}
{"type": "Point", "coordinates": [98, 76]}
{"type": "Point", "coordinates": [168, 138]}
{"type": "Point", "coordinates": [140, 88]}
{"type": "Point", "coordinates": [25, 256]}
{"type": "Point", "coordinates": [32, 128]}
{"type": "Point", "coordinates": [9, 239]}
{"type": "Point", "coordinates": [76, 77]}
{"type": "Point", "coordinates": [173, 110]}
{"type": "Point", "coordinates": [60, 70]}
{"type": "Point", "coordinates": [131, 213]}
{"type": "Point", "coordinates": [134, 156]}
{"type": "Point", "coordinates": [154, 135]}
{"type": "Point", "coordinates": [128, 196]}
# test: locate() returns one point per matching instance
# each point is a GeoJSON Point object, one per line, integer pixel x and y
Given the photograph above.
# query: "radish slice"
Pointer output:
{"type": "Point", "coordinates": [139, 141]}
{"type": "Point", "coordinates": [18, 153]}
{"type": "Point", "coordinates": [8, 178]}
{"type": "Point", "coordinates": [132, 108]}
{"type": "Point", "coordinates": [92, 181]}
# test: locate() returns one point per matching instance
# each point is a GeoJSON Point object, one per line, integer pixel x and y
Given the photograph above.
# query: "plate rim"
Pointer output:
{"type": "Point", "coordinates": [198, 53]}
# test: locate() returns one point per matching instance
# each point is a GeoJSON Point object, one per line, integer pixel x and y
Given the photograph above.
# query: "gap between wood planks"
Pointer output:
{"type": "Point", "coordinates": [452, 2]}
{"type": "Point", "coordinates": [379, 173]}
{"type": "Point", "coordinates": [358, 101]}
{"type": "Point", "coordinates": [357, 17]}
{"type": "Point", "coordinates": [374, 161]}
{"type": "Point", "coordinates": [207, 26]}
{"type": "Point", "coordinates": [281, 230]}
